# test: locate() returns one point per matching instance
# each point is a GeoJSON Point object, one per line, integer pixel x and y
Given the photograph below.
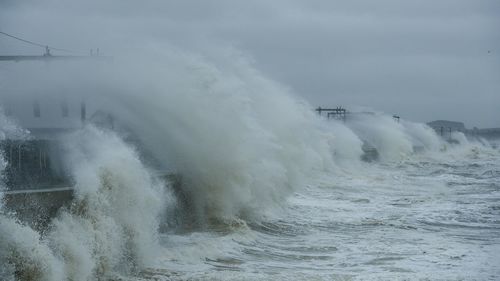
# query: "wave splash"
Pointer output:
{"type": "Point", "coordinates": [219, 128]}
{"type": "Point", "coordinates": [110, 227]}
{"type": "Point", "coordinates": [240, 142]}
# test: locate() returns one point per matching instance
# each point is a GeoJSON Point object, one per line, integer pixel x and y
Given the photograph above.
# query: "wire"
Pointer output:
{"type": "Point", "coordinates": [36, 44]}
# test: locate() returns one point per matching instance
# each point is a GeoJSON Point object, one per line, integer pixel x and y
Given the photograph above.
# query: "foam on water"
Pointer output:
{"type": "Point", "coordinates": [240, 141]}
{"type": "Point", "coordinates": [219, 127]}
{"type": "Point", "coordinates": [409, 220]}
{"type": "Point", "coordinates": [422, 136]}
{"type": "Point", "coordinates": [110, 228]}
{"type": "Point", "coordinates": [242, 145]}
{"type": "Point", "coordinates": [116, 213]}
{"type": "Point", "coordinates": [387, 136]}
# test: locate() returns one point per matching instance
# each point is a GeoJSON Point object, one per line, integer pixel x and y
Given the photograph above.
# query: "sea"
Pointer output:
{"type": "Point", "coordinates": [422, 218]}
{"type": "Point", "coordinates": [210, 170]}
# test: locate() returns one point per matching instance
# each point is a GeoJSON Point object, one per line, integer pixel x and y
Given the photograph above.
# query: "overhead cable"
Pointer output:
{"type": "Point", "coordinates": [36, 44]}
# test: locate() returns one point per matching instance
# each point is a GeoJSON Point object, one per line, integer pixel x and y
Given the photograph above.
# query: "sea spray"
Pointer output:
{"type": "Point", "coordinates": [422, 136]}
{"type": "Point", "coordinates": [460, 146]}
{"type": "Point", "coordinates": [23, 253]}
{"type": "Point", "coordinates": [111, 227]}
{"type": "Point", "coordinates": [241, 142]}
{"type": "Point", "coordinates": [346, 146]}
{"type": "Point", "coordinates": [113, 222]}
{"type": "Point", "coordinates": [9, 128]}
{"type": "Point", "coordinates": [383, 133]}
{"type": "Point", "coordinates": [220, 129]}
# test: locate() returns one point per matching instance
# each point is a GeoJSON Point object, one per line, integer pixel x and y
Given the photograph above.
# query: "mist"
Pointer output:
{"type": "Point", "coordinates": [190, 148]}
{"type": "Point", "coordinates": [423, 62]}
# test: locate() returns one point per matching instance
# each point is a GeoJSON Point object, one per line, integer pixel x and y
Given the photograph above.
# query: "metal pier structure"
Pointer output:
{"type": "Point", "coordinates": [338, 113]}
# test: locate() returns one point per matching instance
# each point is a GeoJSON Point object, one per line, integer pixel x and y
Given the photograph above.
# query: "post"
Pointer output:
{"type": "Point", "coordinates": [319, 110]}
{"type": "Point", "coordinates": [47, 52]}
{"type": "Point", "coordinates": [19, 156]}
{"type": "Point", "coordinates": [40, 158]}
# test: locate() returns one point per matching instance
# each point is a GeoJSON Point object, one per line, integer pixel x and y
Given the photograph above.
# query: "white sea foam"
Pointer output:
{"type": "Point", "coordinates": [422, 136]}
{"type": "Point", "coordinates": [114, 219]}
{"type": "Point", "coordinates": [111, 226]}
{"type": "Point", "coordinates": [383, 133]}
{"type": "Point", "coordinates": [241, 142]}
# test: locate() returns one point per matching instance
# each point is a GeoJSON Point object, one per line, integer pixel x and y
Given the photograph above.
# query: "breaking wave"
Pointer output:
{"type": "Point", "coordinates": [110, 227]}
{"type": "Point", "coordinates": [239, 142]}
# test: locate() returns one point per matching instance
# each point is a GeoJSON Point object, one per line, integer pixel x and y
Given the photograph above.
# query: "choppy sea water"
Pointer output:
{"type": "Point", "coordinates": [428, 216]}
{"type": "Point", "coordinates": [268, 189]}
{"type": "Point", "coordinates": [419, 219]}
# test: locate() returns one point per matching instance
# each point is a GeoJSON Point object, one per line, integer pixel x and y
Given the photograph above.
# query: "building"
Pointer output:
{"type": "Point", "coordinates": [447, 126]}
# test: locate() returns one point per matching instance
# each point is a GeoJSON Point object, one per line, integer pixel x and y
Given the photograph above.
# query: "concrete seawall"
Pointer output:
{"type": "Point", "coordinates": [36, 207]}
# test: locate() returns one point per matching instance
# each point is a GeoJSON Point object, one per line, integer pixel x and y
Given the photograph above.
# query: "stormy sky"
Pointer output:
{"type": "Point", "coordinates": [423, 60]}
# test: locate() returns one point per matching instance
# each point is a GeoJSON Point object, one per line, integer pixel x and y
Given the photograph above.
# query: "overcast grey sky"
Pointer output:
{"type": "Point", "coordinates": [423, 60]}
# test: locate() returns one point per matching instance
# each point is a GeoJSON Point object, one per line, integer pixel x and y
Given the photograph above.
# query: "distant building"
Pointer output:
{"type": "Point", "coordinates": [447, 125]}
{"type": "Point", "coordinates": [489, 133]}
{"type": "Point", "coordinates": [444, 127]}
